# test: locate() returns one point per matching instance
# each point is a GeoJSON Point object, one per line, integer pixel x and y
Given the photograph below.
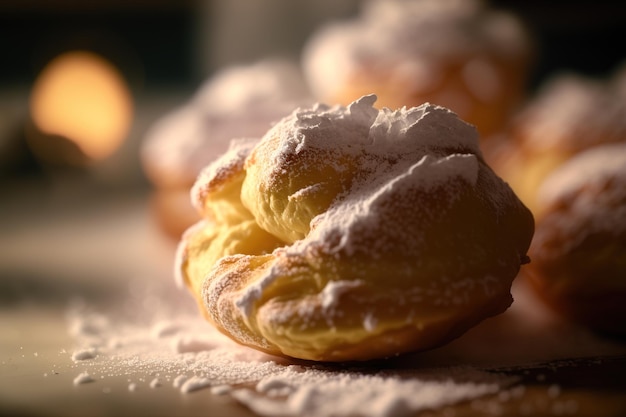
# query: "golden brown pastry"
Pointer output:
{"type": "Point", "coordinates": [571, 113]}
{"type": "Point", "coordinates": [236, 102]}
{"type": "Point", "coordinates": [579, 250]}
{"type": "Point", "coordinates": [455, 53]}
{"type": "Point", "coordinates": [351, 233]}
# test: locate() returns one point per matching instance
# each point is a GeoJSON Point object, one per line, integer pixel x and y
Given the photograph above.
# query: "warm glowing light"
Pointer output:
{"type": "Point", "coordinates": [83, 97]}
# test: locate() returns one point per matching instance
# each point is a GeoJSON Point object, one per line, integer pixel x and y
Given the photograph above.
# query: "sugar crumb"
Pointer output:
{"type": "Point", "coordinates": [83, 378]}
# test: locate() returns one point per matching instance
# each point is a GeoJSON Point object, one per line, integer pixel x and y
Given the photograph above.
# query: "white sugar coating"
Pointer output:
{"type": "Point", "coordinates": [358, 217]}
{"type": "Point", "coordinates": [446, 27]}
{"type": "Point", "coordinates": [572, 112]}
{"type": "Point", "coordinates": [216, 172]}
{"type": "Point", "coordinates": [271, 81]}
{"type": "Point", "coordinates": [334, 289]}
{"type": "Point", "coordinates": [359, 128]}
{"type": "Point", "coordinates": [592, 168]}
{"type": "Point", "coordinates": [592, 187]}
{"type": "Point", "coordinates": [397, 153]}
{"type": "Point", "coordinates": [414, 38]}
{"type": "Point", "coordinates": [272, 386]}
{"type": "Point", "coordinates": [238, 101]}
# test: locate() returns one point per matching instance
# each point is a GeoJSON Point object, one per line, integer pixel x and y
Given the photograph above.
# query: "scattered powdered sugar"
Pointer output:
{"type": "Point", "coordinates": [179, 381]}
{"type": "Point", "coordinates": [180, 350]}
{"type": "Point", "coordinates": [307, 392]}
{"type": "Point", "coordinates": [83, 378]}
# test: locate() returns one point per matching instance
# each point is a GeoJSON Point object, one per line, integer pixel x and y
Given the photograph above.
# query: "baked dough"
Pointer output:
{"type": "Point", "coordinates": [351, 233]}
{"type": "Point", "coordinates": [460, 54]}
{"type": "Point", "coordinates": [579, 251]}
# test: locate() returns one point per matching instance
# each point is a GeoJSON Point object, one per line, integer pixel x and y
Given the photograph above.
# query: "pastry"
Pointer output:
{"type": "Point", "coordinates": [352, 233]}
{"type": "Point", "coordinates": [456, 53]}
{"type": "Point", "coordinates": [237, 102]}
{"type": "Point", "coordinates": [569, 114]}
{"type": "Point", "coordinates": [579, 250]}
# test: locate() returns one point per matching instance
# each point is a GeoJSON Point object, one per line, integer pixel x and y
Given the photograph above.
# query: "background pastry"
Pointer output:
{"type": "Point", "coordinates": [455, 53]}
{"type": "Point", "coordinates": [579, 250]}
{"type": "Point", "coordinates": [569, 114]}
{"type": "Point", "coordinates": [236, 102]}
{"type": "Point", "coordinates": [351, 233]}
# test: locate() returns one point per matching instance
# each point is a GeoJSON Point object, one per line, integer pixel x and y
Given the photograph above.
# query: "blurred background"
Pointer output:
{"type": "Point", "coordinates": [157, 52]}
{"type": "Point", "coordinates": [142, 58]}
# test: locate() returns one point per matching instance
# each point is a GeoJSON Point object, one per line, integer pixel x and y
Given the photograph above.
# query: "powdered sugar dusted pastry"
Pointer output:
{"type": "Point", "coordinates": [237, 102]}
{"type": "Point", "coordinates": [351, 233]}
{"type": "Point", "coordinates": [579, 251]}
{"type": "Point", "coordinates": [454, 53]}
{"type": "Point", "coordinates": [571, 113]}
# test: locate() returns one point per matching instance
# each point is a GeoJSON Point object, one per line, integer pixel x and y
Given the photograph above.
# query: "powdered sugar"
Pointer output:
{"type": "Point", "coordinates": [380, 132]}
{"type": "Point", "coordinates": [389, 34]}
{"type": "Point", "coordinates": [333, 290]}
{"type": "Point", "coordinates": [584, 201]}
{"type": "Point", "coordinates": [214, 174]}
{"type": "Point", "coordinates": [269, 386]}
{"type": "Point", "coordinates": [83, 378]}
{"type": "Point", "coordinates": [350, 151]}
{"type": "Point", "coordinates": [594, 167]}
{"type": "Point", "coordinates": [84, 354]}
{"type": "Point", "coordinates": [571, 113]}
{"type": "Point", "coordinates": [305, 392]}
{"type": "Point", "coordinates": [345, 188]}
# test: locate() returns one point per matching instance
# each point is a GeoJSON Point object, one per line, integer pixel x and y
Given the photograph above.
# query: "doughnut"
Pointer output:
{"type": "Point", "coordinates": [579, 249]}
{"type": "Point", "coordinates": [237, 102]}
{"type": "Point", "coordinates": [353, 233]}
{"type": "Point", "coordinates": [455, 53]}
{"type": "Point", "coordinates": [569, 114]}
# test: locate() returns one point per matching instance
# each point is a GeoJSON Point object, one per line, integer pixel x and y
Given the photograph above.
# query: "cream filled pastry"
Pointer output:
{"type": "Point", "coordinates": [579, 251]}
{"type": "Point", "coordinates": [352, 233]}
{"type": "Point", "coordinates": [236, 102]}
{"type": "Point", "coordinates": [456, 53]}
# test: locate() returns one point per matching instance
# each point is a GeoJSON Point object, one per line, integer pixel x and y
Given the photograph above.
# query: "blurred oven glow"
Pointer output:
{"type": "Point", "coordinates": [81, 96]}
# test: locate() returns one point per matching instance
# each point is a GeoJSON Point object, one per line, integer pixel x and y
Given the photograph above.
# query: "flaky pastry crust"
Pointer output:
{"type": "Point", "coordinates": [351, 233]}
